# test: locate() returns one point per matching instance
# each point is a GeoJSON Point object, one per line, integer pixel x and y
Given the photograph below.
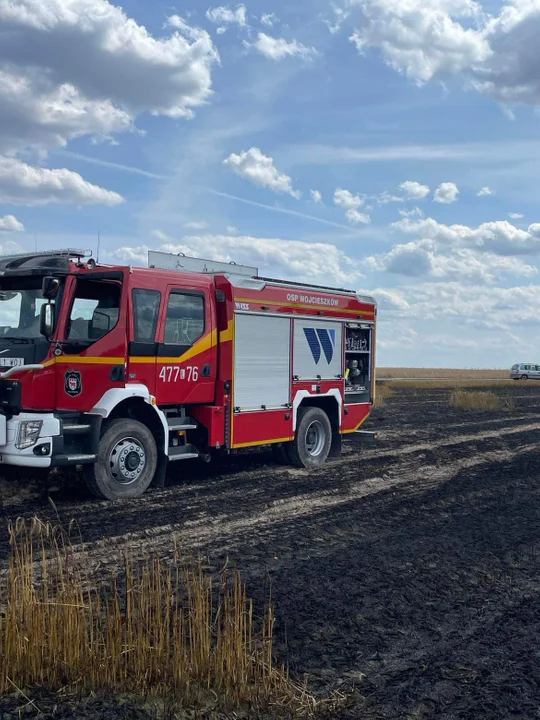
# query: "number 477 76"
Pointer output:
{"type": "Point", "coordinates": [173, 373]}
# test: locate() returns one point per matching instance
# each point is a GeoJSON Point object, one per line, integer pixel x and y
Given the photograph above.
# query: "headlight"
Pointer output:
{"type": "Point", "coordinates": [28, 433]}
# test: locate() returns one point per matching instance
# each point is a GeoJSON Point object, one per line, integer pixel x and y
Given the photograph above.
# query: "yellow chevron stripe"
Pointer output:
{"type": "Point", "coordinates": [207, 342]}
{"type": "Point", "coordinates": [77, 360]}
{"type": "Point", "coordinates": [346, 432]}
{"type": "Point", "coordinates": [226, 335]}
{"type": "Point", "coordinates": [262, 442]}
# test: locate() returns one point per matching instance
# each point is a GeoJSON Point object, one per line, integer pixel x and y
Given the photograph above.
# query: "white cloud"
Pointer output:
{"type": "Point", "coordinates": [10, 248]}
{"type": "Point", "coordinates": [70, 68]}
{"type": "Point", "coordinates": [195, 225]}
{"type": "Point", "coordinates": [356, 218]}
{"type": "Point", "coordinates": [279, 48]}
{"type": "Point", "coordinates": [409, 259]}
{"type": "Point", "coordinates": [9, 223]}
{"type": "Point", "coordinates": [446, 193]}
{"type": "Point", "coordinates": [385, 197]}
{"type": "Point", "coordinates": [302, 261]}
{"type": "Point", "coordinates": [98, 49]}
{"type": "Point", "coordinates": [346, 200]}
{"type": "Point", "coordinates": [350, 203]}
{"type": "Point", "coordinates": [515, 216]}
{"type": "Point", "coordinates": [261, 171]}
{"type": "Point", "coordinates": [316, 196]}
{"type": "Point", "coordinates": [500, 236]}
{"type": "Point", "coordinates": [269, 20]}
{"type": "Point", "coordinates": [226, 15]}
{"type": "Point", "coordinates": [419, 38]}
{"type": "Point", "coordinates": [340, 15]}
{"type": "Point", "coordinates": [484, 192]}
{"type": "Point", "coordinates": [36, 113]}
{"type": "Point", "coordinates": [388, 299]}
{"type": "Point", "coordinates": [414, 190]}
{"type": "Point", "coordinates": [487, 306]}
{"type": "Point", "coordinates": [423, 259]}
{"type": "Point", "coordinates": [496, 54]}
{"type": "Point", "coordinates": [25, 185]}
{"type": "Point", "coordinates": [414, 212]}
{"type": "Point", "coordinates": [510, 74]}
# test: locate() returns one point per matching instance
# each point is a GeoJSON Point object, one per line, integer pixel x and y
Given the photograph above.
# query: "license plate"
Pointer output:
{"type": "Point", "coordinates": [3, 431]}
{"type": "Point", "coordinates": [11, 362]}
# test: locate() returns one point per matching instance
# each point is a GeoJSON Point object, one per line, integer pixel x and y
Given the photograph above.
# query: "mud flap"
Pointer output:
{"type": "Point", "coordinates": [159, 480]}
{"type": "Point", "coordinates": [335, 447]}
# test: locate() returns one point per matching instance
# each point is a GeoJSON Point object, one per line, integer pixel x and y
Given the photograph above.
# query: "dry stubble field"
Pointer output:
{"type": "Point", "coordinates": [405, 574]}
{"type": "Point", "coordinates": [456, 374]}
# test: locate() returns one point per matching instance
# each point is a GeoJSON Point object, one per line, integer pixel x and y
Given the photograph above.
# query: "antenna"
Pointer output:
{"type": "Point", "coordinates": [98, 245]}
{"type": "Point", "coordinates": [35, 242]}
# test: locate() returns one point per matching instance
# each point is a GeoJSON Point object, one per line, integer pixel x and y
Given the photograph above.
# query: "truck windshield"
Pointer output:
{"type": "Point", "coordinates": [20, 304]}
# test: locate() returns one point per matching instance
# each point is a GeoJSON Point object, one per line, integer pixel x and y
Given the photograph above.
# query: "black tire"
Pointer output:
{"type": "Point", "coordinates": [281, 453]}
{"type": "Point", "coordinates": [524, 377]}
{"type": "Point", "coordinates": [310, 420]}
{"type": "Point", "coordinates": [127, 461]}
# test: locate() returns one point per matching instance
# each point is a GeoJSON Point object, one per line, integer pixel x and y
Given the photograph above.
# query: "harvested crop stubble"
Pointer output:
{"type": "Point", "coordinates": [440, 383]}
{"type": "Point", "coordinates": [486, 400]}
{"type": "Point", "coordinates": [154, 630]}
{"type": "Point", "coordinates": [387, 373]}
{"type": "Point", "coordinates": [384, 393]}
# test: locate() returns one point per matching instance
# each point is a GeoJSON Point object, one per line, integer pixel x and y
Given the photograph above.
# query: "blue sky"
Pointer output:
{"type": "Point", "coordinates": [387, 146]}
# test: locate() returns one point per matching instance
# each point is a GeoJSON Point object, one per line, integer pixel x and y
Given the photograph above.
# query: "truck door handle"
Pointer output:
{"type": "Point", "coordinates": [206, 371]}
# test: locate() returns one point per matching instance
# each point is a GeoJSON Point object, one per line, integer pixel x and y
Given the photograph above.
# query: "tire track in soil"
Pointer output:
{"type": "Point", "coordinates": [223, 533]}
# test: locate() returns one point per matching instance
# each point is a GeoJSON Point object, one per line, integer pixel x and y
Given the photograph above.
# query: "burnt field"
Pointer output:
{"type": "Point", "coordinates": [405, 574]}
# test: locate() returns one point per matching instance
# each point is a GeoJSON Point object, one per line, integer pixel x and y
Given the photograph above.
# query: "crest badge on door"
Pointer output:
{"type": "Point", "coordinates": [73, 383]}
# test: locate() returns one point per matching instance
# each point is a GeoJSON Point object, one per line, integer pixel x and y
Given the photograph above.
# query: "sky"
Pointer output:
{"type": "Point", "coordinates": [387, 146]}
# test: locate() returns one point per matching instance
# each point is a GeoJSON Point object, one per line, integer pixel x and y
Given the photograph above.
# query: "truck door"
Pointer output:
{"type": "Point", "coordinates": [146, 308]}
{"type": "Point", "coordinates": [187, 347]}
{"type": "Point", "coordinates": [94, 340]}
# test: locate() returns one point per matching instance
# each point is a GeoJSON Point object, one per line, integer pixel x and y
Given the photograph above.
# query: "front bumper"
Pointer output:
{"type": "Point", "coordinates": [67, 440]}
{"type": "Point", "coordinates": [49, 434]}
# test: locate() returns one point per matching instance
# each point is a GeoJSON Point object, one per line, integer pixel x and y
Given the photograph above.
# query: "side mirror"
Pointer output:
{"type": "Point", "coordinates": [46, 319]}
{"type": "Point", "coordinates": [50, 287]}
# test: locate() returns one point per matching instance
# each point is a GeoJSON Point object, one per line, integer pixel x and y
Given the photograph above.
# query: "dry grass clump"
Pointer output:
{"type": "Point", "coordinates": [487, 400]}
{"type": "Point", "coordinates": [382, 394]}
{"type": "Point", "coordinates": [154, 630]}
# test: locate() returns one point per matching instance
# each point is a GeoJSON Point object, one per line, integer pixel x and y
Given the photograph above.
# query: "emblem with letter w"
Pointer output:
{"type": "Point", "coordinates": [321, 341]}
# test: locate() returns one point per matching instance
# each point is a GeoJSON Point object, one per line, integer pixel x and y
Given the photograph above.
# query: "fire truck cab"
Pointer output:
{"type": "Point", "coordinates": [122, 370]}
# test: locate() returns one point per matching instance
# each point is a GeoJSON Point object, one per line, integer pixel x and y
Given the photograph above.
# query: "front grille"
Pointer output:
{"type": "Point", "coordinates": [10, 394]}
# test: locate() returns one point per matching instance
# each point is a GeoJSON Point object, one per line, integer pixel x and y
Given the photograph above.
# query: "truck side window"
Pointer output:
{"type": "Point", "coordinates": [145, 314]}
{"type": "Point", "coordinates": [95, 310]}
{"type": "Point", "coordinates": [185, 318]}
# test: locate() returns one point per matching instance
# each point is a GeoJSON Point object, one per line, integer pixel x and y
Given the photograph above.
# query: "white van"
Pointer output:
{"type": "Point", "coordinates": [525, 371]}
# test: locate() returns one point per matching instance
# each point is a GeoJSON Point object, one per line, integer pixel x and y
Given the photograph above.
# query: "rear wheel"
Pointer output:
{"type": "Point", "coordinates": [313, 440]}
{"type": "Point", "coordinates": [524, 377]}
{"type": "Point", "coordinates": [127, 461]}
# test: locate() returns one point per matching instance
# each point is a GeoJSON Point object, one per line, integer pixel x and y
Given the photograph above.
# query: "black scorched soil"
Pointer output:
{"type": "Point", "coordinates": [405, 574]}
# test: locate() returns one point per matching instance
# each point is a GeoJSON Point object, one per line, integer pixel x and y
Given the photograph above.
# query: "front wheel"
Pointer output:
{"type": "Point", "coordinates": [126, 463]}
{"type": "Point", "coordinates": [313, 440]}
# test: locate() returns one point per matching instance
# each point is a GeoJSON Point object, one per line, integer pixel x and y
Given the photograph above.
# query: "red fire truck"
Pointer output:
{"type": "Point", "coordinates": [123, 370]}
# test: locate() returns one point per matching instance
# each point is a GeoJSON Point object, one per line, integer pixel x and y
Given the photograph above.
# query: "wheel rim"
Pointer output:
{"type": "Point", "coordinates": [315, 438]}
{"type": "Point", "coordinates": [127, 461]}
